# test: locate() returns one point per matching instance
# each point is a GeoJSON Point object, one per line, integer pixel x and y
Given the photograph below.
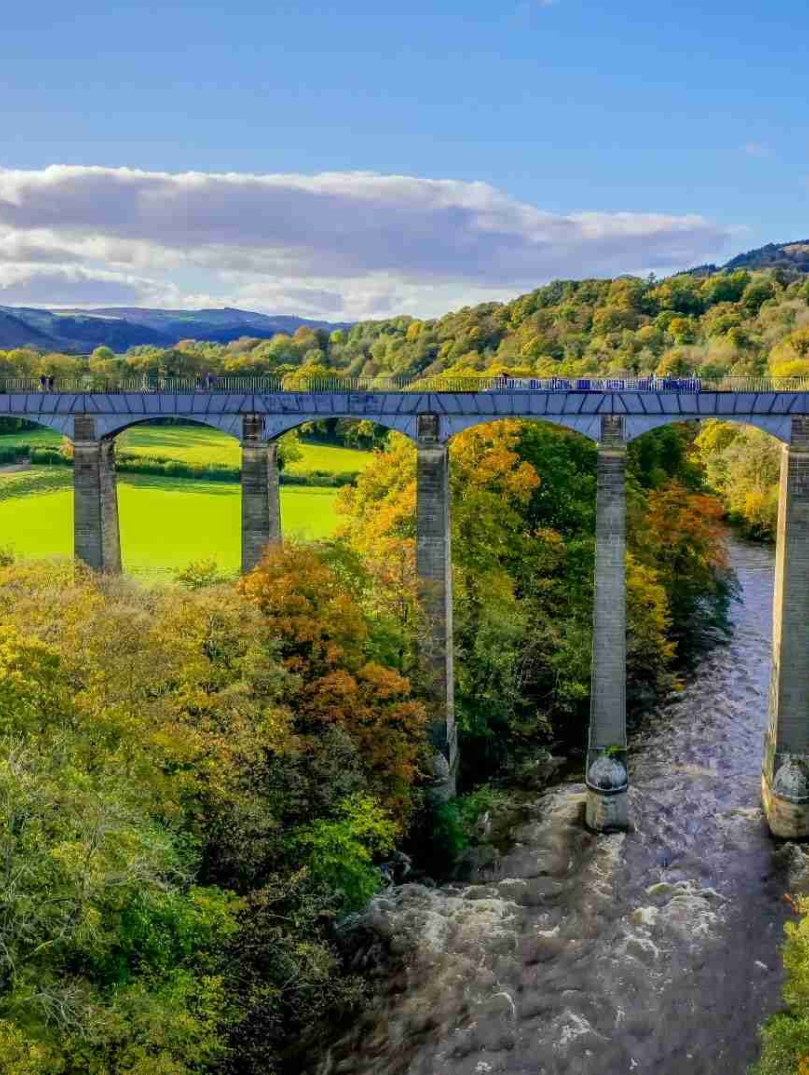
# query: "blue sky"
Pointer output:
{"type": "Point", "coordinates": [574, 138]}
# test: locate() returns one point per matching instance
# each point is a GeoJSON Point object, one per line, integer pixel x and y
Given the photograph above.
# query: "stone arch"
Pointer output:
{"type": "Point", "coordinates": [778, 426]}
{"type": "Point", "coordinates": [43, 421]}
{"type": "Point", "coordinates": [98, 522]}
{"type": "Point", "coordinates": [60, 423]}
{"type": "Point", "coordinates": [588, 426]}
{"type": "Point", "coordinates": [275, 425]}
{"type": "Point", "coordinates": [109, 426]}
{"type": "Point", "coordinates": [115, 413]}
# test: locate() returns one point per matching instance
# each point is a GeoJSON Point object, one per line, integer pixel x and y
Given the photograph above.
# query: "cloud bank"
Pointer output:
{"type": "Point", "coordinates": [337, 244]}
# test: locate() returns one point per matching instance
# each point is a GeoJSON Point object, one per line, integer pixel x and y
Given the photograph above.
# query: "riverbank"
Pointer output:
{"type": "Point", "coordinates": [655, 951]}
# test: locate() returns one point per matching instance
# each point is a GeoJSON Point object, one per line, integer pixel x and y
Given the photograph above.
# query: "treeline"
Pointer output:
{"type": "Point", "coordinates": [739, 323]}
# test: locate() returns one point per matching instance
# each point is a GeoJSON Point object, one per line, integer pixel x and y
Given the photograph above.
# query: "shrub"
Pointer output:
{"type": "Point", "coordinates": [319, 478]}
{"type": "Point", "coordinates": [49, 457]}
{"type": "Point", "coordinates": [287, 976]}
{"type": "Point", "coordinates": [127, 463]}
{"type": "Point", "coordinates": [200, 573]}
{"type": "Point", "coordinates": [457, 821]}
{"type": "Point", "coordinates": [785, 1037]}
{"type": "Point", "coordinates": [341, 850]}
{"type": "Point", "coordinates": [12, 453]}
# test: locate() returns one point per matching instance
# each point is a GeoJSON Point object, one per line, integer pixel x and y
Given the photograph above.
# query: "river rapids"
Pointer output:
{"type": "Point", "coordinates": [655, 951]}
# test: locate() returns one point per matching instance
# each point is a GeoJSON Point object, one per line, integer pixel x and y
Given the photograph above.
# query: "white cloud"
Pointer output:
{"type": "Point", "coordinates": [755, 149]}
{"type": "Point", "coordinates": [338, 244]}
{"type": "Point", "coordinates": [67, 285]}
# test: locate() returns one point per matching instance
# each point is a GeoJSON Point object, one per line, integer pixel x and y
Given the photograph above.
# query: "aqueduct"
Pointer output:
{"type": "Point", "coordinates": [611, 418]}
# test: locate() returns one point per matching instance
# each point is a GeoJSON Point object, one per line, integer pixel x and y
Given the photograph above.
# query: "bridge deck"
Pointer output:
{"type": "Point", "coordinates": [579, 410]}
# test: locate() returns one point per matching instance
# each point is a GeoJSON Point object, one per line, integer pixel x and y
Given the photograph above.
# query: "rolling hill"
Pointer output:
{"type": "Point", "coordinates": [79, 331]}
{"type": "Point", "coordinates": [793, 257]}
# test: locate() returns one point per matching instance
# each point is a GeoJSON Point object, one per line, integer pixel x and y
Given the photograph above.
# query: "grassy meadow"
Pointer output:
{"type": "Point", "coordinates": [200, 445]}
{"type": "Point", "coordinates": [165, 522]}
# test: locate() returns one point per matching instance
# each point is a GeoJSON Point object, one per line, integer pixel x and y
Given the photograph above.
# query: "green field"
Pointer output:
{"type": "Point", "coordinates": [330, 457]}
{"type": "Point", "coordinates": [201, 445]}
{"type": "Point", "coordinates": [165, 523]}
{"type": "Point", "coordinates": [31, 437]}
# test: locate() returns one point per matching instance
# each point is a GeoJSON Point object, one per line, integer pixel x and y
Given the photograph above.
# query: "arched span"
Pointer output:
{"type": "Point", "coordinates": [105, 433]}
{"type": "Point", "coordinates": [60, 423]}
{"type": "Point", "coordinates": [276, 425]}
{"type": "Point", "coordinates": [108, 426]}
{"type": "Point", "coordinates": [587, 425]}
{"type": "Point", "coordinates": [34, 420]}
{"type": "Point", "coordinates": [779, 426]}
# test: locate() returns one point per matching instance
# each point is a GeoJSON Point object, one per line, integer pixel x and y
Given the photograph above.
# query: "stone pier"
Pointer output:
{"type": "Point", "coordinates": [261, 504]}
{"type": "Point", "coordinates": [785, 775]}
{"type": "Point", "coordinates": [434, 567]}
{"type": "Point", "coordinates": [606, 756]}
{"type": "Point", "coordinates": [96, 536]}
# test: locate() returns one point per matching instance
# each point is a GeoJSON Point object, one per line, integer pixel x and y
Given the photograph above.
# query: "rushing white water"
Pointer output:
{"type": "Point", "coordinates": [651, 952]}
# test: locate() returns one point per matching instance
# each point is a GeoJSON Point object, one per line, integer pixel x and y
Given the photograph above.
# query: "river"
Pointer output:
{"type": "Point", "coordinates": [650, 952]}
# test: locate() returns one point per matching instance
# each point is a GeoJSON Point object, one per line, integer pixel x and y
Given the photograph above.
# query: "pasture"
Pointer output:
{"type": "Point", "coordinates": [200, 445]}
{"type": "Point", "coordinates": [165, 523]}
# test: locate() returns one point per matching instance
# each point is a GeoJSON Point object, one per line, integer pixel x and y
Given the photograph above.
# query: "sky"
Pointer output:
{"type": "Point", "coordinates": [365, 159]}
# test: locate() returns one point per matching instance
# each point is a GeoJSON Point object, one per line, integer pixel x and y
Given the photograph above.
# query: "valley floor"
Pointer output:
{"type": "Point", "coordinates": [165, 522]}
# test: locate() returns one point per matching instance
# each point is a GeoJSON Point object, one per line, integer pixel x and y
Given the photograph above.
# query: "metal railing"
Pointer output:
{"type": "Point", "coordinates": [299, 383]}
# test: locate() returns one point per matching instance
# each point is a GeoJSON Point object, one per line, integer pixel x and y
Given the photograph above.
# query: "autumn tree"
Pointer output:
{"type": "Point", "coordinates": [684, 541]}
{"type": "Point", "coordinates": [311, 601]}
{"type": "Point", "coordinates": [743, 464]}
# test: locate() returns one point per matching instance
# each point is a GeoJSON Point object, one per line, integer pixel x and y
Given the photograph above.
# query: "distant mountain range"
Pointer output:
{"type": "Point", "coordinates": [121, 327]}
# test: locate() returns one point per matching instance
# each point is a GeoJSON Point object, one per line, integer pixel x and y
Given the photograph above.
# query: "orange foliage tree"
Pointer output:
{"type": "Point", "coordinates": [682, 537]}
{"type": "Point", "coordinates": [312, 605]}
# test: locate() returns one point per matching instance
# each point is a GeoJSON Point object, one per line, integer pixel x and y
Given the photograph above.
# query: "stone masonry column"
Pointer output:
{"type": "Point", "coordinates": [606, 757]}
{"type": "Point", "coordinates": [96, 536]}
{"type": "Point", "coordinates": [785, 776]}
{"type": "Point", "coordinates": [434, 568]}
{"type": "Point", "coordinates": [261, 505]}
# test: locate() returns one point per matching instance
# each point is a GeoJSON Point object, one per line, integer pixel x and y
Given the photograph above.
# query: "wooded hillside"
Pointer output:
{"type": "Point", "coordinates": [740, 323]}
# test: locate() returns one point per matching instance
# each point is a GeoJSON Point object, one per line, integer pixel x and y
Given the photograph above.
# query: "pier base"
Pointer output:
{"type": "Point", "coordinates": [606, 812]}
{"type": "Point", "coordinates": [787, 818]}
